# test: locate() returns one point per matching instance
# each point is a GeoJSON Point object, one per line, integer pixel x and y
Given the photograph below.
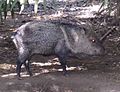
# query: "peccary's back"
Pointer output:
{"type": "Point", "coordinates": [40, 37]}
{"type": "Point", "coordinates": [45, 37]}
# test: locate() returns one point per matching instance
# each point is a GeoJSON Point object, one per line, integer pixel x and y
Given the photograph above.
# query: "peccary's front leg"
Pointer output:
{"type": "Point", "coordinates": [63, 64]}
{"type": "Point", "coordinates": [62, 52]}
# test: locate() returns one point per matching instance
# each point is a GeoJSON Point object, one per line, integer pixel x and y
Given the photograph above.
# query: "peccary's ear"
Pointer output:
{"type": "Point", "coordinates": [27, 30]}
{"type": "Point", "coordinates": [83, 31]}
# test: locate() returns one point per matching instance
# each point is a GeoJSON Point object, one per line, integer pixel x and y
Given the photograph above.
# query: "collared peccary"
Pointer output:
{"type": "Point", "coordinates": [49, 38]}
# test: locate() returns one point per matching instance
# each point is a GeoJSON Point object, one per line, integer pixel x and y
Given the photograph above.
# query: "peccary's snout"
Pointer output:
{"type": "Point", "coordinates": [100, 51]}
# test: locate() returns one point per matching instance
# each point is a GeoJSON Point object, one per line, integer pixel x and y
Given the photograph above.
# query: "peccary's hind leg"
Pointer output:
{"type": "Point", "coordinates": [27, 66]}
{"type": "Point", "coordinates": [22, 58]}
{"type": "Point", "coordinates": [18, 68]}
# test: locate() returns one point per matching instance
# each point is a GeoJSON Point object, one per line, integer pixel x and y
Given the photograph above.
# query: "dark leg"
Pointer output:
{"type": "Point", "coordinates": [22, 58]}
{"type": "Point", "coordinates": [27, 66]}
{"type": "Point", "coordinates": [63, 64]}
{"type": "Point", "coordinates": [62, 53]}
{"type": "Point", "coordinates": [18, 68]}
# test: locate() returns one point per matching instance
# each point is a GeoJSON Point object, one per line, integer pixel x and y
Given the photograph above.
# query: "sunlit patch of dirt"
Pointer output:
{"type": "Point", "coordinates": [38, 68]}
{"type": "Point", "coordinates": [6, 66]}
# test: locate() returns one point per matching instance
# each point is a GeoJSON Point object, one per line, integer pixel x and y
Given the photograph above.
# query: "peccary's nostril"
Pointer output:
{"type": "Point", "coordinates": [97, 52]}
{"type": "Point", "coordinates": [101, 51]}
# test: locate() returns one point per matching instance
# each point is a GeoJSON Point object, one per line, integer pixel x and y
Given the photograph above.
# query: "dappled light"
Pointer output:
{"type": "Point", "coordinates": [45, 64]}
{"type": "Point", "coordinates": [6, 66]}
{"type": "Point", "coordinates": [78, 12]}
{"type": "Point", "coordinates": [40, 68]}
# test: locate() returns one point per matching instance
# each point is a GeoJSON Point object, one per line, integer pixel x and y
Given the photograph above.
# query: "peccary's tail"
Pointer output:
{"type": "Point", "coordinates": [13, 34]}
{"type": "Point", "coordinates": [66, 39]}
{"type": "Point", "coordinates": [14, 39]}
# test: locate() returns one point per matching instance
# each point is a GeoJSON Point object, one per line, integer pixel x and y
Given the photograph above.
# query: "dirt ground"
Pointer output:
{"type": "Point", "coordinates": [86, 75]}
{"type": "Point", "coordinates": [99, 74]}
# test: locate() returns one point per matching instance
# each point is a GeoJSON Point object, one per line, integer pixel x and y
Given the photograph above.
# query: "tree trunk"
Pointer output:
{"type": "Point", "coordinates": [118, 8]}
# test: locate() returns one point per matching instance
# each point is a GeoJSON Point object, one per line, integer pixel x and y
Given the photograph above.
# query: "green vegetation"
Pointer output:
{"type": "Point", "coordinates": [10, 5]}
{"type": "Point", "coordinates": [107, 6]}
{"type": "Point", "coordinates": [5, 6]}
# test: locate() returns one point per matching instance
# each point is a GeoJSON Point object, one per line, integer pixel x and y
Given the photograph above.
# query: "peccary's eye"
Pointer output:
{"type": "Point", "coordinates": [92, 40]}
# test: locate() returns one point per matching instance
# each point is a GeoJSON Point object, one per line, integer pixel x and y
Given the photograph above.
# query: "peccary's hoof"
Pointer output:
{"type": "Point", "coordinates": [31, 74]}
{"type": "Point", "coordinates": [19, 78]}
{"type": "Point", "coordinates": [65, 74]}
